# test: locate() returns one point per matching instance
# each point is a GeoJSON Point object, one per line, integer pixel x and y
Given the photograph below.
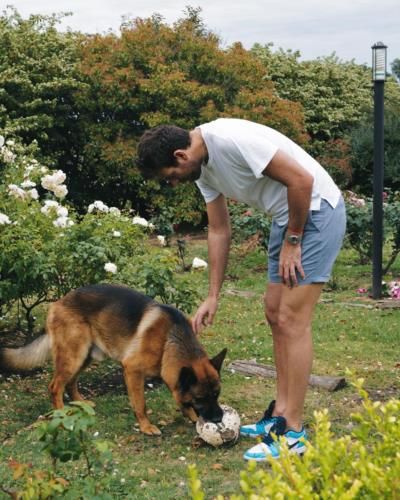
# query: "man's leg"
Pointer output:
{"type": "Point", "coordinates": [272, 299]}
{"type": "Point", "coordinates": [289, 312]}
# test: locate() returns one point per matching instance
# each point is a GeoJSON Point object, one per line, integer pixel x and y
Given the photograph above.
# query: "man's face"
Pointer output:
{"type": "Point", "coordinates": [187, 170]}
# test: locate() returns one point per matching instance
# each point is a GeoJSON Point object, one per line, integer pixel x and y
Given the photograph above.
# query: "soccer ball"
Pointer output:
{"type": "Point", "coordinates": [226, 431]}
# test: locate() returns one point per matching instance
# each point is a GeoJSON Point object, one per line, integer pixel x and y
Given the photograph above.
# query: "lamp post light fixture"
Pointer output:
{"type": "Point", "coordinates": [378, 77]}
{"type": "Point", "coordinates": [379, 62]}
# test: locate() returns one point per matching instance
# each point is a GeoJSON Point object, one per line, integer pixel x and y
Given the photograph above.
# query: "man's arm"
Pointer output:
{"type": "Point", "coordinates": [219, 237]}
{"type": "Point", "coordinates": [299, 183]}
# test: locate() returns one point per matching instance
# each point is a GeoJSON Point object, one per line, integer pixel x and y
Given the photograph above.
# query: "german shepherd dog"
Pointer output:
{"type": "Point", "coordinates": [147, 338]}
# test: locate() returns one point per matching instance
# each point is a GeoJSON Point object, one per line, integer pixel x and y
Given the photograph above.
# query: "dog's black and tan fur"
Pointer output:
{"type": "Point", "coordinates": [147, 338]}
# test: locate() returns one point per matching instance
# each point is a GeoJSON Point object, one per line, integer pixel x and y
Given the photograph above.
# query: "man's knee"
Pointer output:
{"type": "Point", "coordinates": [284, 321]}
{"type": "Point", "coordinates": [271, 310]}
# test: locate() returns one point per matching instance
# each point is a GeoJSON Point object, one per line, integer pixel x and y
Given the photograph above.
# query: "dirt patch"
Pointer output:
{"type": "Point", "coordinates": [111, 382]}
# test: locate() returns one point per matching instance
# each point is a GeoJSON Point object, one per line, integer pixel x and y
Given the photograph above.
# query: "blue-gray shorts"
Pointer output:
{"type": "Point", "coordinates": [322, 238]}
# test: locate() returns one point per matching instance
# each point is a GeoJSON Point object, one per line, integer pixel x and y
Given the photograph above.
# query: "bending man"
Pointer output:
{"type": "Point", "coordinates": [257, 165]}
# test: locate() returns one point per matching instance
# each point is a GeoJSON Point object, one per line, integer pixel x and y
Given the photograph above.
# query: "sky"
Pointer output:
{"type": "Point", "coordinates": [316, 28]}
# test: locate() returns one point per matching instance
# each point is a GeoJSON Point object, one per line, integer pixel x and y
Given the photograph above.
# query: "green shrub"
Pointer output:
{"type": "Point", "coordinates": [247, 223]}
{"type": "Point", "coordinates": [363, 464]}
{"type": "Point", "coordinates": [46, 249]}
{"type": "Point", "coordinates": [67, 435]}
{"type": "Point", "coordinates": [360, 226]}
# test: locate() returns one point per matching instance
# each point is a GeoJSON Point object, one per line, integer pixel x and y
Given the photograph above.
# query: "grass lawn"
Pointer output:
{"type": "Point", "coordinates": [349, 332]}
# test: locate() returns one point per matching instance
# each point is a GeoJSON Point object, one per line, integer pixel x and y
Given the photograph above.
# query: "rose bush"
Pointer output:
{"type": "Point", "coordinates": [360, 226]}
{"type": "Point", "coordinates": [46, 248]}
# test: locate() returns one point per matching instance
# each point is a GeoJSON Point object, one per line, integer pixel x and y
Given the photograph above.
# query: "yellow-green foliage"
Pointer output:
{"type": "Point", "coordinates": [363, 464]}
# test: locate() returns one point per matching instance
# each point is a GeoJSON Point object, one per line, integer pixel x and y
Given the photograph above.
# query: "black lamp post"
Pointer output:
{"type": "Point", "coordinates": [378, 77]}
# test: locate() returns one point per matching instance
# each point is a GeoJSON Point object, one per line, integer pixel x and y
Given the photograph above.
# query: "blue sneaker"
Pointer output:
{"type": "Point", "coordinates": [269, 446]}
{"type": "Point", "coordinates": [263, 426]}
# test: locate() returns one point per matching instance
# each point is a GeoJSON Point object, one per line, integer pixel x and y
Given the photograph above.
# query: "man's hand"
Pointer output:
{"type": "Point", "coordinates": [289, 262]}
{"type": "Point", "coordinates": [205, 314]}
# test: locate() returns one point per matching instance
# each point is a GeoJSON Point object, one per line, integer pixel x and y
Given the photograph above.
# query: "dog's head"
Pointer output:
{"type": "Point", "coordinates": [200, 385]}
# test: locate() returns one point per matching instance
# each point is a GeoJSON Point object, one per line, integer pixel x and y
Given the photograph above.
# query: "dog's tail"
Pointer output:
{"type": "Point", "coordinates": [26, 358]}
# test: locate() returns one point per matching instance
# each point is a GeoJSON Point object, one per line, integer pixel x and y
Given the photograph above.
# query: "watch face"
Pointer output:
{"type": "Point", "coordinates": [293, 239]}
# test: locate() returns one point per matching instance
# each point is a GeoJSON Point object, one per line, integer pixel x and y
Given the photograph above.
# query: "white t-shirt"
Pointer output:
{"type": "Point", "coordinates": [239, 151]}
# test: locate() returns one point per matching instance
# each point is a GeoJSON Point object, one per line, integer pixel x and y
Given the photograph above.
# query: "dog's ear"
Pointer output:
{"type": "Point", "coordinates": [187, 378]}
{"type": "Point", "coordinates": [217, 360]}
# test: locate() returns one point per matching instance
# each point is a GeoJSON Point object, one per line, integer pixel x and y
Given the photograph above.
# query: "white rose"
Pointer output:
{"type": "Point", "coordinates": [33, 194]}
{"type": "Point", "coordinates": [60, 191]}
{"type": "Point", "coordinates": [8, 156]}
{"type": "Point", "coordinates": [110, 267]}
{"type": "Point", "coordinates": [61, 222]}
{"type": "Point", "coordinates": [4, 219]}
{"type": "Point", "coordinates": [140, 221]}
{"type": "Point", "coordinates": [98, 205]}
{"type": "Point", "coordinates": [49, 205]}
{"type": "Point", "coordinates": [62, 211]}
{"type": "Point", "coordinates": [115, 211]}
{"type": "Point", "coordinates": [28, 184]}
{"type": "Point", "coordinates": [16, 191]}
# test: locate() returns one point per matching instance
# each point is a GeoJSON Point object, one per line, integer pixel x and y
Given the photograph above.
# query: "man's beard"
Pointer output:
{"type": "Point", "coordinates": [195, 174]}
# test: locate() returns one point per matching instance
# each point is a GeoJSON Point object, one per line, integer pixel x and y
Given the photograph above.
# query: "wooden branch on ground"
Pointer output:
{"type": "Point", "coordinates": [388, 304]}
{"type": "Point", "coordinates": [251, 367]}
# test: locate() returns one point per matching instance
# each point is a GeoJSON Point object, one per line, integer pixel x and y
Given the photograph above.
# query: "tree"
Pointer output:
{"type": "Point", "coordinates": [154, 73]}
{"type": "Point", "coordinates": [362, 146]}
{"type": "Point", "coordinates": [396, 68]}
{"type": "Point", "coordinates": [335, 95]}
{"type": "Point", "coordinates": [38, 82]}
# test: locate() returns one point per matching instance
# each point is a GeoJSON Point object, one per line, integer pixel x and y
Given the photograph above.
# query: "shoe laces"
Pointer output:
{"type": "Point", "coordinates": [268, 413]}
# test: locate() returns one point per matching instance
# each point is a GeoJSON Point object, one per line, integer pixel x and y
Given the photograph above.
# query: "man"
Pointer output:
{"type": "Point", "coordinates": [252, 163]}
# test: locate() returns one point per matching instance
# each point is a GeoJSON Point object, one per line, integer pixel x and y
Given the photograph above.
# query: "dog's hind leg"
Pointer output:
{"type": "Point", "coordinates": [72, 386]}
{"type": "Point", "coordinates": [71, 345]}
{"type": "Point", "coordinates": [134, 379]}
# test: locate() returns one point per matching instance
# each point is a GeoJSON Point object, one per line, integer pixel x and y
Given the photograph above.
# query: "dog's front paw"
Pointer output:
{"type": "Point", "coordinates": [191, 414]}
{"type": "Point", "coordinates": [150, 429]}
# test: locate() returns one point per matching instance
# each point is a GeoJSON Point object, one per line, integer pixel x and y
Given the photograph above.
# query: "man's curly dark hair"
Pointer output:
{"type": "Point", "coordinates": [156, 148]}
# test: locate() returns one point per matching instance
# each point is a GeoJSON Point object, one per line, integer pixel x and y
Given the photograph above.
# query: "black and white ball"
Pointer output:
{"type": "Point", "coordinates": [226, 431]}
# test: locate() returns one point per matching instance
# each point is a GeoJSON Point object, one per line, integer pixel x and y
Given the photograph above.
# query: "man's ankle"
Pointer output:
{"type": "Point", "coordinates": [294, 426]}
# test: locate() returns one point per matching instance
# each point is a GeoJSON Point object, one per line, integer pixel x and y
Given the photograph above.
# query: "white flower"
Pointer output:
{"type": "Point", "coordinates": [98, 205]}
{"type": "Point", "coordinates": [62, 211]}
{"type": "Point", "coordinates": [63, 222]}
{"type": "Point", "coordinates": [43, 170]}
{"type": "Point", "coordinates": [140, 221]}
{"type": "Point", "coordinates": [161, 239]}
{"type": "Point", "coordinates": [60, 191]}
{"type": "Point", "coordinates": [33, 194]}
{"type": "Point", "coordinates": [110, 267]}
{"type": "Point", "coordinates": [8, 156]}
{"type": "Point", "coordinates": [28, 170]}
{"type": "Point", "coordinates": [16, 191]}
{"type": "Point", "coordinates": [10, 143]}
{"type": "Point", "coordinates": [115, 211]}
{"type": "Point", "coordinates": [4, 219]}
{"type": "Point", "coordinates": [48, 206]}
{"type": "Point", "coordinates": [28, 184]}
{"type": "Point", "coordinates": [116, 234]}
{"type": "Point", "coordinates": [199, 263]}
{"type": "Point", "coordinates": [50, 182]}
{"type": "Point", "coordinates": [1, 141]}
